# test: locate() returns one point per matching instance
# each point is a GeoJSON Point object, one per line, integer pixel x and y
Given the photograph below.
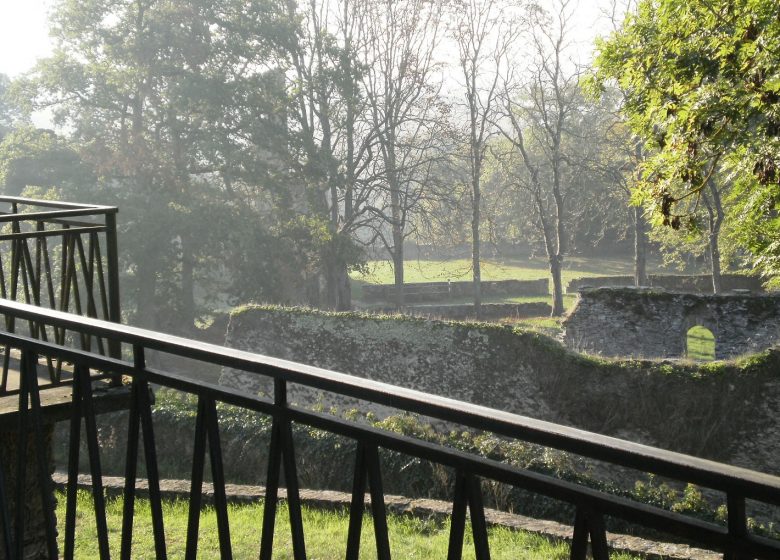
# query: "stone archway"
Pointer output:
{"type": "Point", "coordinates": [700, 344]}
{"type": "Point", "coordinates": [700, 333]}
{"type": "Point", "coordinates": [647, 323]}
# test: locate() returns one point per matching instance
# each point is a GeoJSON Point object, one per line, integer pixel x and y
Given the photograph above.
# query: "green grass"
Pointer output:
{"type": "Point", "coordinates": [542, 323]}
{"type": "Point", "coordinates": [381, 272]}
{"type": "Point", "coordinates": [325, 531]}
{"type": "Point", "coordinates": [701, 344]}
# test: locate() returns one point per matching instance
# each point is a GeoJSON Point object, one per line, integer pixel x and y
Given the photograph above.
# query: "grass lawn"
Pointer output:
{"type": "Point", "coordinates": [326, 534]}
{"type": "Point", "coordinates": [381, 272]}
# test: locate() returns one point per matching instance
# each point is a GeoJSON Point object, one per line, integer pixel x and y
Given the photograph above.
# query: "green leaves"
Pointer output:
{"type": "Point", "coordinates": [701, 83]}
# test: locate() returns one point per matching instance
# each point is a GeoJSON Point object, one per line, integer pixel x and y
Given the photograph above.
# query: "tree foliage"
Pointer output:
{"type": "Point", "coordinates": [178, 110]}
{"type": "Point", "coordinates": [35, 157]}
{"type": "Point", "coordinates": [702, 86]}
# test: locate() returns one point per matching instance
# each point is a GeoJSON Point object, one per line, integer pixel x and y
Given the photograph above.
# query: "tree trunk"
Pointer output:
{"type": "Point", "coordinates": [338, 293]}
{"type": "Point", "coordinates": [187, 319]}
{"type": "Point", "coordinates": [146, 286]}
{"type": "Point", "coordinates": [397, 224]}
{"type": "Point", "coordinates": [476, 196]}
{"type": "Point", "coordinates": [640, 248]}
{"type": "Point", "coordinates": [715, 257]}
{"type": "Point", "coordinates": [557, 296]}
{"type": "Point", "coordinates": [343, 289]}
{"type": "Point", "coordinates": [475, 258]}
{"type": "Point", "coordinates": [398, 267]}
{"type": "Point", "coordinates": [335, 273]}
{"type": "Point", "coordinates": [715, 210]}
{"type": "Point", "coordinates": [640, 231]}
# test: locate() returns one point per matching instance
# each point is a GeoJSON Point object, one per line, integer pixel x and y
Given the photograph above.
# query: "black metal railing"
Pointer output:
{"type": "Point", "coordinates": [61, 256]}
{"type": "Point", "coordinates": [738, 484]}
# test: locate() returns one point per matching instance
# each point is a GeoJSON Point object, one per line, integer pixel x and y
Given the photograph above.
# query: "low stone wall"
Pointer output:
{"type": "Point", "coordinates": [725, 411]}
{"type": "Point", "coordinates": [648, 323]}
{"type": "Point", "coordinates": [438, 291]}
{"type": "Point", "coordinates": [490, 311]}
{"type": "Point", "coordinates": [697, 283]}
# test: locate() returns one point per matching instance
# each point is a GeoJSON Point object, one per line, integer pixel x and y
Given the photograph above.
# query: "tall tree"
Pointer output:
{"type": "Point", "coordinates": [335, 144]}
{"type": "Point", "coordinates": [483, 34]}
{"type": "Point", "coordinates": [161, 96]}
{"type": "Point", "coordinates": [539, 118]}
{"type": "Point", "coordinates": [620, 166]}
{"type": "Point", "coordinates": [402, 84]}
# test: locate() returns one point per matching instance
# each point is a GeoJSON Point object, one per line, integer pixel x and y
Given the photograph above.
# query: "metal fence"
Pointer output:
{"type": "Point", "coordinates": [734, 539]}
{"type": "Point", "coordinates": [62, 256]}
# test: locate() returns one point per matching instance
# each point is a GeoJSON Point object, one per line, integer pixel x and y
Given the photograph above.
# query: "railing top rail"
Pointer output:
{"type": "Point", "coordinates": [57, 204]}
{"type": "Point", "coordinates": [53, 215]}
{"type": "Point", "coordinates": [728, 478]}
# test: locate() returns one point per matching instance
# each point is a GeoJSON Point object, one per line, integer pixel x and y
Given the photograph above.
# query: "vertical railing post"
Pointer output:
{"type": "Point", "coordinates": [112, 264]}
{"type": "Point", "coordinates": [281, 453]}
{"type": "Point", "coordinates": [737, 524]}
{"type": "Point", "coordinates": [5, 516]}
{"type": "Point", "coordinates": [468, 492]}
{"type": "Point", "coordinates": [589, 523]}
{"type": "Point", "coordinates": [367, 469]}
{"type": "Point", "coordinates": [83, 407]}
{"type": "Point", "coordinates": [141, 418]}
{"type": "Point", "coordinates": [207, 426]}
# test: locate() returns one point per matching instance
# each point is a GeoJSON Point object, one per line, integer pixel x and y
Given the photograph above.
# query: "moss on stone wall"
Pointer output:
{"type": "Point", "coordinates": [721, 410]}
{"type": "Point", "coordinates": [651, 323]}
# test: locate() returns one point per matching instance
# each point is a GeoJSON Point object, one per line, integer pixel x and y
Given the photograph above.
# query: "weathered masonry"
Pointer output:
{"type": "Point", "coordinates": [730, 417]}
{"type": "Point", "coordinates": [688, 283]}
{"type": "Point", "coordinates": [653, 324]}
{"type": "Point", "coordinates": [438, 291]}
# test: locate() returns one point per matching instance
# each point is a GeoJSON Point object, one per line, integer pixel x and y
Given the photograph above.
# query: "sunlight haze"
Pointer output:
{"type": "Point", "coordinates": [24, 35]}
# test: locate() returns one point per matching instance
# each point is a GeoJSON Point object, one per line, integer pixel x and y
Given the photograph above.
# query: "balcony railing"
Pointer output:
{"type": "Point", "coordinates": [60, 256]}
{"type": "Point", "coordinates": [738, 484]}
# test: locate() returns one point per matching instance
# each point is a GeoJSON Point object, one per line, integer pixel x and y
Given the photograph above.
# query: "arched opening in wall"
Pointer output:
{"type": "Point", "coordinates": [700, 344]}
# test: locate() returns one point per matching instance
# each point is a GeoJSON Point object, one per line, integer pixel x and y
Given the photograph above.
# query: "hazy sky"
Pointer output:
{"type": "Point", "coordinates": [24, 35]}
{"type": "Point", "coordinates": [24, 31]}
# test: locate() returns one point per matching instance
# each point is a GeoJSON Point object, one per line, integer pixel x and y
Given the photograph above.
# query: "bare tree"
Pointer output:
{"type": "Point", "coordinates": [402, 86]}
{"type": "Point", "coordinates": [336, 145]}
{"type": "Point", "coordinates": [483, 34]}
{"type": "Point", "coordinates": [537, 117]}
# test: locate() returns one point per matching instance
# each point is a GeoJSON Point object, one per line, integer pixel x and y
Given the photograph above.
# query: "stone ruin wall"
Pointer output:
{"type": "Point", "coordinates": [436, 291]}
{"type": "Point", "coordinates": [689, 283]}
{"type": "Point", "coordinates": [647, 323]}
{"type": "Point", "coordinates": [729, 415]}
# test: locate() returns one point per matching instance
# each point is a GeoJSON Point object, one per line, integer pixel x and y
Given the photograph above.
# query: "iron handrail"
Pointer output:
{"type": "Point", "coordinates": [715, 475]}
{"type": "Point", "coordinates": [738, 483]}
{"type": "Point", "coordinates": [54, 259]}
{"type": "Point", "coordinates": [56, 203]}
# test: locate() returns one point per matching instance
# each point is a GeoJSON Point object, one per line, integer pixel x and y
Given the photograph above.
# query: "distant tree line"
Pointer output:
{"type": "Point", "coordinates": [257, 149]}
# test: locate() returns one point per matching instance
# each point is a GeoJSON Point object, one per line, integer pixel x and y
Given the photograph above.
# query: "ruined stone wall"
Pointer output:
{"type": "Point", "coordinates": [437, 291]}
{"type": "Point", "coordinates": [694, 283]}
{"type": "Point", "coordinates": [725, 411]}
{"type": "Point", "coordinates": [458, 312]}
{"type": "Point", "coordinates": [647, 323]}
